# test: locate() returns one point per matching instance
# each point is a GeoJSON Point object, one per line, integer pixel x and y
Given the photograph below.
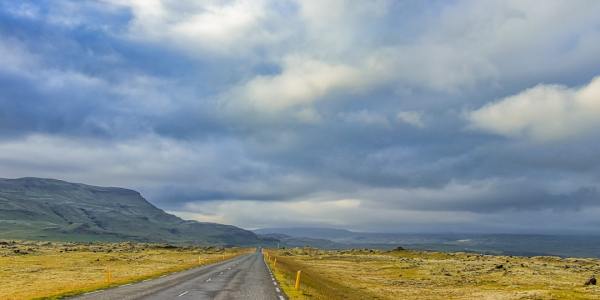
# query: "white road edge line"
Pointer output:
{"type": "Point", "coordinates": [182, 294]}
{"type": "Point", "coordinates": [281, 297]}
{"type": "Point", "coordinates": [89, 293]}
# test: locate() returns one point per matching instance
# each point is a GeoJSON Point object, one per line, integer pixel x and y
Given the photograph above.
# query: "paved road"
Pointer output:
{"type": "Point", "coordinates": [244, 277]}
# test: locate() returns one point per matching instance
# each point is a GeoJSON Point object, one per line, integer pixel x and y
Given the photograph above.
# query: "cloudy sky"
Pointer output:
{"type": "Point", "coordinates": [397, 116]}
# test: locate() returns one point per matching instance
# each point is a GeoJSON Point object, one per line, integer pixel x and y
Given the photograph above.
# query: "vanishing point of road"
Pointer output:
{"type": "Point", "coordinates": [244, 277]}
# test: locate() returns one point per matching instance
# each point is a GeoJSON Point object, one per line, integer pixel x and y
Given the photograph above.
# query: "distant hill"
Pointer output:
{"type": "Point", "coordinates": [48, 209]}
{"type": "Point", "coordinates": [344, 236]}
{"type": "Point", "coordinates": [289, 241]}
{"type": "Point", "coordinates": [309, 232]}
{"type": "Point", "coordinates": [330, 238]}
{"type": "Point", "coordinates": [499, 244]}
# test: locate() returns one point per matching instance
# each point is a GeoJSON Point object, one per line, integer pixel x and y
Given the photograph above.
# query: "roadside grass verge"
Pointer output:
{"type": "Point", "coordinates": [312, 284]}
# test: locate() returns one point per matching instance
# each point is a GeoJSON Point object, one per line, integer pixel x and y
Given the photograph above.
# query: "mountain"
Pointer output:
{"type": "Point", "coordinates": [49, 209]}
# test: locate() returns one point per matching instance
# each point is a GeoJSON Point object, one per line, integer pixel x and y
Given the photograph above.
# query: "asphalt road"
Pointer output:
{"type": "Point", "coordinates": [244, 277]}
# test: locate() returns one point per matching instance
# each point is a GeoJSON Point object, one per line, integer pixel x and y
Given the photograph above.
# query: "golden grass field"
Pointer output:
{"type": "Point", "coordinates": [30, 270]}
{"type": "Point", "coordinates": [404, 274]}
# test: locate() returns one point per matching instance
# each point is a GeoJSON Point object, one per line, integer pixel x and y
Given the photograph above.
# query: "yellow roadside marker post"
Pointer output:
{"type": "Point", "coordinates": [274, 262]}
{"type": "Point", "coordinates": [108, 275]}
{"type": "Point", "coordinates": [223, 256]}
{"type": "Point", "coordinates": [199, 260]}
{"type": "Point", "coordinates": [297, 286]}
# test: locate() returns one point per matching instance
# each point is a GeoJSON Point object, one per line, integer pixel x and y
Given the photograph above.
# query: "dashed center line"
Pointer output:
{"type": "Point", "coordinates": [182, 294]}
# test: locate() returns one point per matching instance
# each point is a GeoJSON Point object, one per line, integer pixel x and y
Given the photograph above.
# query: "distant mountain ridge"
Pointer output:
{"type": "Point", "coordinates": [310, 232]}
{"type": "Point", "coordinates": [37, 208]}
{"type": "Point", "coordinates": [487, 243]}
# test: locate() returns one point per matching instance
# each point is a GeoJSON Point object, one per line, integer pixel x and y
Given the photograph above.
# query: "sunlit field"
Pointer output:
{"type": "Point", "coordinates": [30, 270]}
{"type": "Point", "coordinates": [402, 274]}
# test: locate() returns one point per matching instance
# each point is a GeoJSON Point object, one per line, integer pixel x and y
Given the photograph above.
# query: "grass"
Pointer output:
{"type": "Point", "coordinates": [47, 270]}
{"type": "Point", "coordinates": [372, 274]}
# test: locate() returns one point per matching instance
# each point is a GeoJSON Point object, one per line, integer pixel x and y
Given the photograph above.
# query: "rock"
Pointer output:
{"type": "Point", "coordinates": [591, 281]}
{"type": "Point", "coordinates": [499, 266]}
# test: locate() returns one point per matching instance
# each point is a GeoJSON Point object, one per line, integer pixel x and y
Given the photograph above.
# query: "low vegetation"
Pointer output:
{"type": "Point", "coordinates": [49, 270]}
{"type": "Point", "coordinates": [404, 274]}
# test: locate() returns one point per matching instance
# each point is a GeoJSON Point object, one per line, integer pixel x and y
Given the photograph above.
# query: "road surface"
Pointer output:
{"type": "Point", "coordinates": [244, 277]}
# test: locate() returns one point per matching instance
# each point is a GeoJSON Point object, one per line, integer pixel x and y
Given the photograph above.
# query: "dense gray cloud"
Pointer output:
{"type": "Point", "coordinates": [383, 115]}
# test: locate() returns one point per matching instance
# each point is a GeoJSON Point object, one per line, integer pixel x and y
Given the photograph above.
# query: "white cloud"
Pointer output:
{"type": "Point", "coordinates": [413, 118]}
{"type": "Point", "coordinates": [221, 28]}
{"type": "Point", "coordinates": [302, 81]}
{"type": "Point", "coordinates": [542, 113]}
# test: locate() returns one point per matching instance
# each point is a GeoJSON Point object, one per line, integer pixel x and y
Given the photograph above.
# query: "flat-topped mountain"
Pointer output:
{"type": "Point", "coordinates": [49, 209]}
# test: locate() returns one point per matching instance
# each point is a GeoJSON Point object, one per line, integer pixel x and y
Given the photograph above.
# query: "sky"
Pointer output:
{"type": "Point", "coordinates": [386, 116]}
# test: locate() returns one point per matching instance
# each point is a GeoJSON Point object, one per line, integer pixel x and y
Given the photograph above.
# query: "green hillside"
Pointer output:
{"type": "Point", "coordinates": [48, 209]}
